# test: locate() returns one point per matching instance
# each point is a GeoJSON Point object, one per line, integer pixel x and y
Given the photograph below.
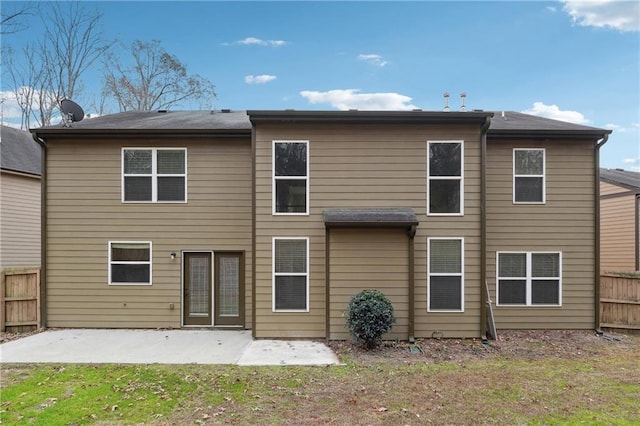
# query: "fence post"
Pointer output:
{"type": "Point", "coordinates": [3, 310]}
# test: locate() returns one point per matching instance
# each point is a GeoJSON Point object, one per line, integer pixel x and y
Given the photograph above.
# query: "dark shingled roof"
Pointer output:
{"type": "Point", "coordinates": [620, 177]}
{"type": "Point", "coordinates": [370, 217]}
{"type": "Point", "coordinates": [510, 122]}
{"type": "Point", "coordinates": [160, 121]}
{"type": "Point", "coordinates": [19, 152]}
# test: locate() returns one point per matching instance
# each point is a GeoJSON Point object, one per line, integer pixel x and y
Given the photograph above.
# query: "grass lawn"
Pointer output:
{"type": "Point", "coordinates": [601, 386]}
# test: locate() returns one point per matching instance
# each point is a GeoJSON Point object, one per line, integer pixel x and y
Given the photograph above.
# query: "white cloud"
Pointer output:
{"type": "Point", "coordinates": [551, 9]}
{"type": "Point", "coordinates": [353, 99]}
{"type": "Point", "coordinates": [259, 79]}
{"type": "Point", "coordinates": [10, 106]}
{"type": "Point", "coordinates": [260, 42]}
{"type": "Point", "coordinates": [616, 14]}
{"type": "Point", "coordinates": [555, 113]}
{"type": "Point", "coordinates": [633, 164]}
{"type": "Point", "coordinates": [621, 129]}
{"type": "Point", "coordinates": [373, 59]}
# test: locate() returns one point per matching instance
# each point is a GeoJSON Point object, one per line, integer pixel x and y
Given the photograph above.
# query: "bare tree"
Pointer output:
{"type": "Point", "coordinates": [13, 16]}
{"type": "Point", "coordinates": [51, 70]}
{"type": "Point", "coordinates": [153, 79]}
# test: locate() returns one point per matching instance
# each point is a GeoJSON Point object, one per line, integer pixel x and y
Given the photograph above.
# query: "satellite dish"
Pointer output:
{"type": "Point", "coordinates": [71, 111]}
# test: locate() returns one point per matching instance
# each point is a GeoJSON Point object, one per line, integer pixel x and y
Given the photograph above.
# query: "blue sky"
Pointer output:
{"type": "Point", "coordinates": [574, 61]}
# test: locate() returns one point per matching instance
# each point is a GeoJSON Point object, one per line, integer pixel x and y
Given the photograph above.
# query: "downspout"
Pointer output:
{"type": "Point", "coordinates": [411, 233]}
{"type": "Point", "coordinates": [43, 229]}
{"type": "Point", "coordinates": [596, 175]}
{"type": "Point", "coordinates": [483, 228]}
{"type": "Point", "coordinates": [253, 231]}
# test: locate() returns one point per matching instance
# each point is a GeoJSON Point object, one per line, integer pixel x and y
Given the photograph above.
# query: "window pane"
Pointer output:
{"type": "Point", "coordinates": [445, 256]}
{"type": "Point", "coordinates": [512, 265]}
{"type": "Point", "coordinates": [229, 293]}
{"type": "Point", "coordinates": [137, 161]}
{"type": "Point", "coordinates": [545, 292]}
{"type": "Point", "coordinates": [137, 188]}
{"type": "Point", "coordinates": [171, 189]}
{"type": "Point", "coordinates": [291, 293]}
{"type": "Point", "coordinates": [545, 265]}
{"type": "Point", "coordinates": [529, 162]}
{"type": "Point", "coordinates": [445, 159]}
{"type": "Point", "coordinates": [122, 252]}
{"type": "Point", "coordinates": [130, 273]}
{"type": "Point", "coordinates": [512, 292]}
{"type": "Point", "coordinates": [528, 189]}
{"type": "Point", "coordinates": [199, 285]}
{"type": "Point", "coordinates": [291, 256]}
{"type": "Point", "coordinates": [444, 196]}
{"type": "Point", "coordinates": [291, 196]}
{"type": "Point", "coordinates": [290, 159]}
{"type": "Point", "coordinates": [171, 161]}
{"type": "Point", "coordinates": [445, 293]}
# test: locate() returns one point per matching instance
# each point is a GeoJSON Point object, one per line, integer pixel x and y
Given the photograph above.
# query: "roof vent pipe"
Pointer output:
{"type": "Point", "coordinates": [446, 101]}
{"type": "Point", "coordinates": [463, 96]}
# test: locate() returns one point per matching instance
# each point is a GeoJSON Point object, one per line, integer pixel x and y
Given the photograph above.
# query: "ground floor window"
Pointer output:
{"type": "Point", "coordinates": [529, 278]}
{"type": "Point", "coordinates": [291, 274]}
{"type": "Point", "coordinates": [445, 282]}
{"type": "Point", "coordinates": [130, 262]}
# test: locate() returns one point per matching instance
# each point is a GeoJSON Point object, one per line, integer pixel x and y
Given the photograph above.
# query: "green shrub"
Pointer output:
{"type": "Point", "coordinates": [369, 316]}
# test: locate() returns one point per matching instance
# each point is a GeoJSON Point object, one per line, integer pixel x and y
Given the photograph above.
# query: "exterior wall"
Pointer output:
{"type": "Point", "coordinates": [369, 259]}
{"type": "Point", "coordinates": [19, 221]}
{"type": "Point", "coordinates": [84, 212]}
{"type": "Point", "coordinates": [617, 229]}
{"type": "Point", "coordinates": [361, 166]}
{"type": "Point", "coordinates": [565, 223]}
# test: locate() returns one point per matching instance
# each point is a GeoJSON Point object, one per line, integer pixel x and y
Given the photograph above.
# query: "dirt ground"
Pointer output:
{"type": "Point", "coordinates": [528, 345]}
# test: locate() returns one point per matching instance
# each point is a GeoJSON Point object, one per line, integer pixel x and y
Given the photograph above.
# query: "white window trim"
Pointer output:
{"type": "Point", "coordinates": [460, 274]}
{"type": "Point", "coordinates": [150, 262]}
{"type": "Point", "coordinates": [274, 178]}
{"type": "Point", "coordinates": [461, 179]}
{"type": "Point", "coordinates": [299, 274]}
{"type": "Point", "coordinates": [154, 175]}
{"type": "Point", "coordinates": [543, 176]}
{"type": "Point", "coordinates": [529, 279]}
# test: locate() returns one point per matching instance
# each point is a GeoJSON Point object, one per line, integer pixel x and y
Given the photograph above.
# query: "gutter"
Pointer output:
{"type": "Point", "coordinates": [43, 230]}
{"type": "Point", "coordinates": [484, 296]}
{"type": "Point", "coordinates": [596, 175]}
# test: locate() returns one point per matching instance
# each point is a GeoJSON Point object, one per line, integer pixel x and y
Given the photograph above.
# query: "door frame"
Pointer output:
{"type": "Point", "coordinates": [214, 290]}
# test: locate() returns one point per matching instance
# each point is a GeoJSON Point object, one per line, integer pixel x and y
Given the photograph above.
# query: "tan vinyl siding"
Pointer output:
{"type": "Point", "coordinates": [617, 229]}
{"type": "Point", "coordinates": [369, 259]}
{"type": "Point", "coordinates": [19, 221]}
{"type": "Point", "coordinates": [361, 166]}
{"type": "Point", "coordinates": [565, 223]}
{"type": "Point", "coordinates": [85, 212]}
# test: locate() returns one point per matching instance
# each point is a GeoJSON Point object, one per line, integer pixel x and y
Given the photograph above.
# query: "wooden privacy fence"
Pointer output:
{"type": "Point", "coordinates": [20, 300]}
{"type": "Point", "coordinates": [620, 303]}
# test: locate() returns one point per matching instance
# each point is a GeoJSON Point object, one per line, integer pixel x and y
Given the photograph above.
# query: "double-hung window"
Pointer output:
{"type": "Point", "coordinates": [445, 286]}
{"type": "Point", "coordinates": [445, 183]}
{"type": "Point", "coordinates": [291, 177]}
{"type": "Point", "coordinates": [130, 262]}
{"type": "Point", "coordinates": [291, 274]}
{"type": "Point", "coordinates": [529, 278]}
{"type": "Point", "coordinates": [529, 176]}
{"type": "Point", "coordinates": [154, 175]}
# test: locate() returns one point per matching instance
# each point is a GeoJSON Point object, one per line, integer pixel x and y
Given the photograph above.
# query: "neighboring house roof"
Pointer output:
{"type": "Point", "coordinates": [503, 124]}
{"type": "Point", "coordinates": [19, 152]}
{"type": "Point", "coordinates": [625, 178]}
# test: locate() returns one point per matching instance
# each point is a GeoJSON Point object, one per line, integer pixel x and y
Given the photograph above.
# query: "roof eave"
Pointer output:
{"type": "Point", "coordinates": [414, 117]}
{"type": "Point", "coordinates": [565, 134]}
{"type": "Point", "coordinates": [76, 133]}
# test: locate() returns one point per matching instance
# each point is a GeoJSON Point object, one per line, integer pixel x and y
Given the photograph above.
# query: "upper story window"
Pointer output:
{"type": "Point", "coordinates": [445, 278]}
{"type": "Point", "coordinates": [528, 176]}
{"type": "Point", "coordinates": [445, 170]}
{"type": "Point", "coordinates": [154, 175]}
{"type": "Point", "coordinates": [130, 262]}
{"type": "Point", "coordinates": [291, 177]}
{"type": "Point", "coordinates": [529, 278]}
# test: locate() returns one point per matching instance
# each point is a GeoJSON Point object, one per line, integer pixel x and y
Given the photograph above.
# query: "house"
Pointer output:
{"type": "Point", "coordinates": [272, 220]}
{"type": "Point", "coordinates": [619, 220]}
{"type": "Point", "coordinates": [20, 158]}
